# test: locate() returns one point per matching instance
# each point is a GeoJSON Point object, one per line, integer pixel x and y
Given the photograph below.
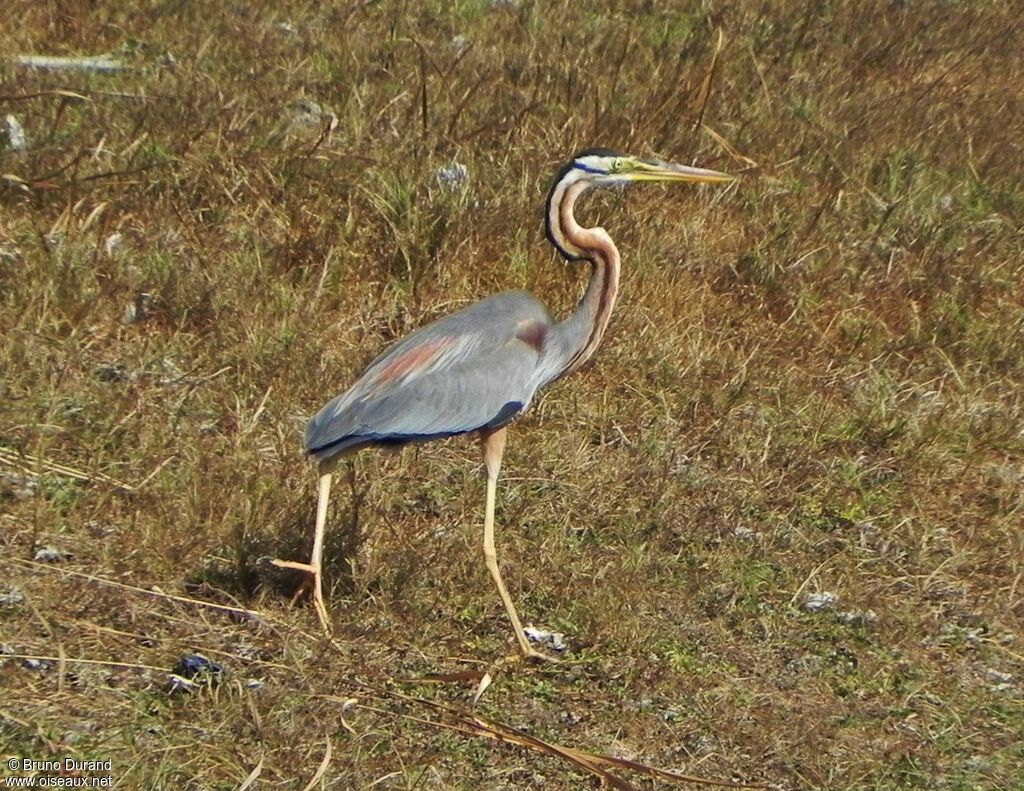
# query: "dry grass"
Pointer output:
{"type": "Point", "coordinates": [813, 383]}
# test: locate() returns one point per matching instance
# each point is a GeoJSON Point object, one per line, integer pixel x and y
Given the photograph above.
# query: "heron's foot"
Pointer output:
{"type": "Point", "coordinates": [528, 656]}
{"type": "Point", "coordinates": [531, 654]}
{"type": "Point", "coordinates": [536, 657]}
{"type": "Point", "coordinates": [312, 584]}
{"type": "Point", "coordinates": [308, 583]}
{"type": "Point", "coordinates": [526, 637]}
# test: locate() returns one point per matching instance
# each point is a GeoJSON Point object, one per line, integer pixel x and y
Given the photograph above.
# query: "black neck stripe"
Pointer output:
{"type": "Point", "coordinates": [559, 176]}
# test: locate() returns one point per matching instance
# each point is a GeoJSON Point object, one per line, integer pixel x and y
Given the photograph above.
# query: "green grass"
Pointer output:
{"type": "Point", "coordinates": [812, 382]}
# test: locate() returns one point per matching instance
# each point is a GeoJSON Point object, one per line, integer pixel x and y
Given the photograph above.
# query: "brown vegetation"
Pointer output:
{"type": "Point", "coordinates": [813, 383]}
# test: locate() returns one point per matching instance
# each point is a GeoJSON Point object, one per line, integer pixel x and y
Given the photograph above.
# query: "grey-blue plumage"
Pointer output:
{"type": "Point", "coordinates": [474, 369]}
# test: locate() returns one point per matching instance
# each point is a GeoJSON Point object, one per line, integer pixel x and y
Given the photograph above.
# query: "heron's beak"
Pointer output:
{"type": "Point", "coordinates": [667, 171]}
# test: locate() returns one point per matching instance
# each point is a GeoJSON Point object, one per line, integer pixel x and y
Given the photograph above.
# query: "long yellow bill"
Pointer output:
{"type": "Point", "coordinates": [668, 171]}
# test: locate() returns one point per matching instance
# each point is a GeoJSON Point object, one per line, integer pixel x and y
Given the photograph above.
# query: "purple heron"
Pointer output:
{"type": "Point", "coordinates": [478, 369]}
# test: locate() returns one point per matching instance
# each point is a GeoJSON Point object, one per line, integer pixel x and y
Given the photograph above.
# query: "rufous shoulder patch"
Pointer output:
{"type": "Point", "coordinates": [412, 360]}
{"type": "Point", "coordinates": [533, 333]}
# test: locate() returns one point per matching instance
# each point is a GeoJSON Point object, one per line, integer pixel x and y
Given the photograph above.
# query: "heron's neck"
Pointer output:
{"type": "Point", "coordinates": [585, 327]}
{"type": "Point", "coordinates": [580, 334]}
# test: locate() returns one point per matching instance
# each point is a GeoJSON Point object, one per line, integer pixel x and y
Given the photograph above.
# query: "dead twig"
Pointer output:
{"type": "Point", "coordinates": [477, 725]}
{"type": "Point", "coordinates": [705, 88]}
{"type": "Point", "coordinates": [322, 769]}
{"type": "Point", "coordinates": [32, 463]}
{"type": "Point", "coordinates": [253, 614]}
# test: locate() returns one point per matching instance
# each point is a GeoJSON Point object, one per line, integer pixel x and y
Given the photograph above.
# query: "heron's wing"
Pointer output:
{"type": "Point", "coordinates": [474, 369]}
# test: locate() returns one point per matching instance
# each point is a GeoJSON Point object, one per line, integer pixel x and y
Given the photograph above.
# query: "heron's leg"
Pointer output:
{"type": "Point", "coordinates": [323, 497]}
{"type": "Point", "coordinates": [314, 565]}
{"type": "Point", "coordinates": [494, 446]}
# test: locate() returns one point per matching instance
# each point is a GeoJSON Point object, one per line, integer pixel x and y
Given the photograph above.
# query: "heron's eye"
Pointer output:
{"type": "Point", "coordinates": [617, 165]}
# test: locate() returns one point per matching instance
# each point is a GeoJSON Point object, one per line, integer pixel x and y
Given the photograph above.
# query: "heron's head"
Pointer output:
{"type": "Point", "coordinates": [596, 167]}
{"type": "Point", "coordinates": [600, 166]}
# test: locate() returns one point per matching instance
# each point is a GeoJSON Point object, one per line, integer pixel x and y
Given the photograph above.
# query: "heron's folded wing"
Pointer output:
{"type": "Point", "coordinates": [438, 385]}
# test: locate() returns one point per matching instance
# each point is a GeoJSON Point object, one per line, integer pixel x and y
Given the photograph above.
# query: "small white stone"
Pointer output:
{"type": "Point", "coordinates": [454, 177]}
{"type": "Point", "coordinates": [138, 309]}
{"type": "Point", "coordinates": [819, 602]}
{"type": "Point", "coordinates": [554, 640]}
{"type": "Point", "coordinates": [20, 487]}
{"type": "Point", "coordinates": [858, 617]}
{"type": "Point", "coordinates": [998, 676]}
{"type": "Point", "coordinates": [49, 555]}
{"type": "Point", "coordinates": [16, 140]}
{"type": "Point", "coordinates": [113, 243]}
{"type": "Point", "coordinates": [308, 113]}
{"type": "Point", "coordinates": [11, 597]}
